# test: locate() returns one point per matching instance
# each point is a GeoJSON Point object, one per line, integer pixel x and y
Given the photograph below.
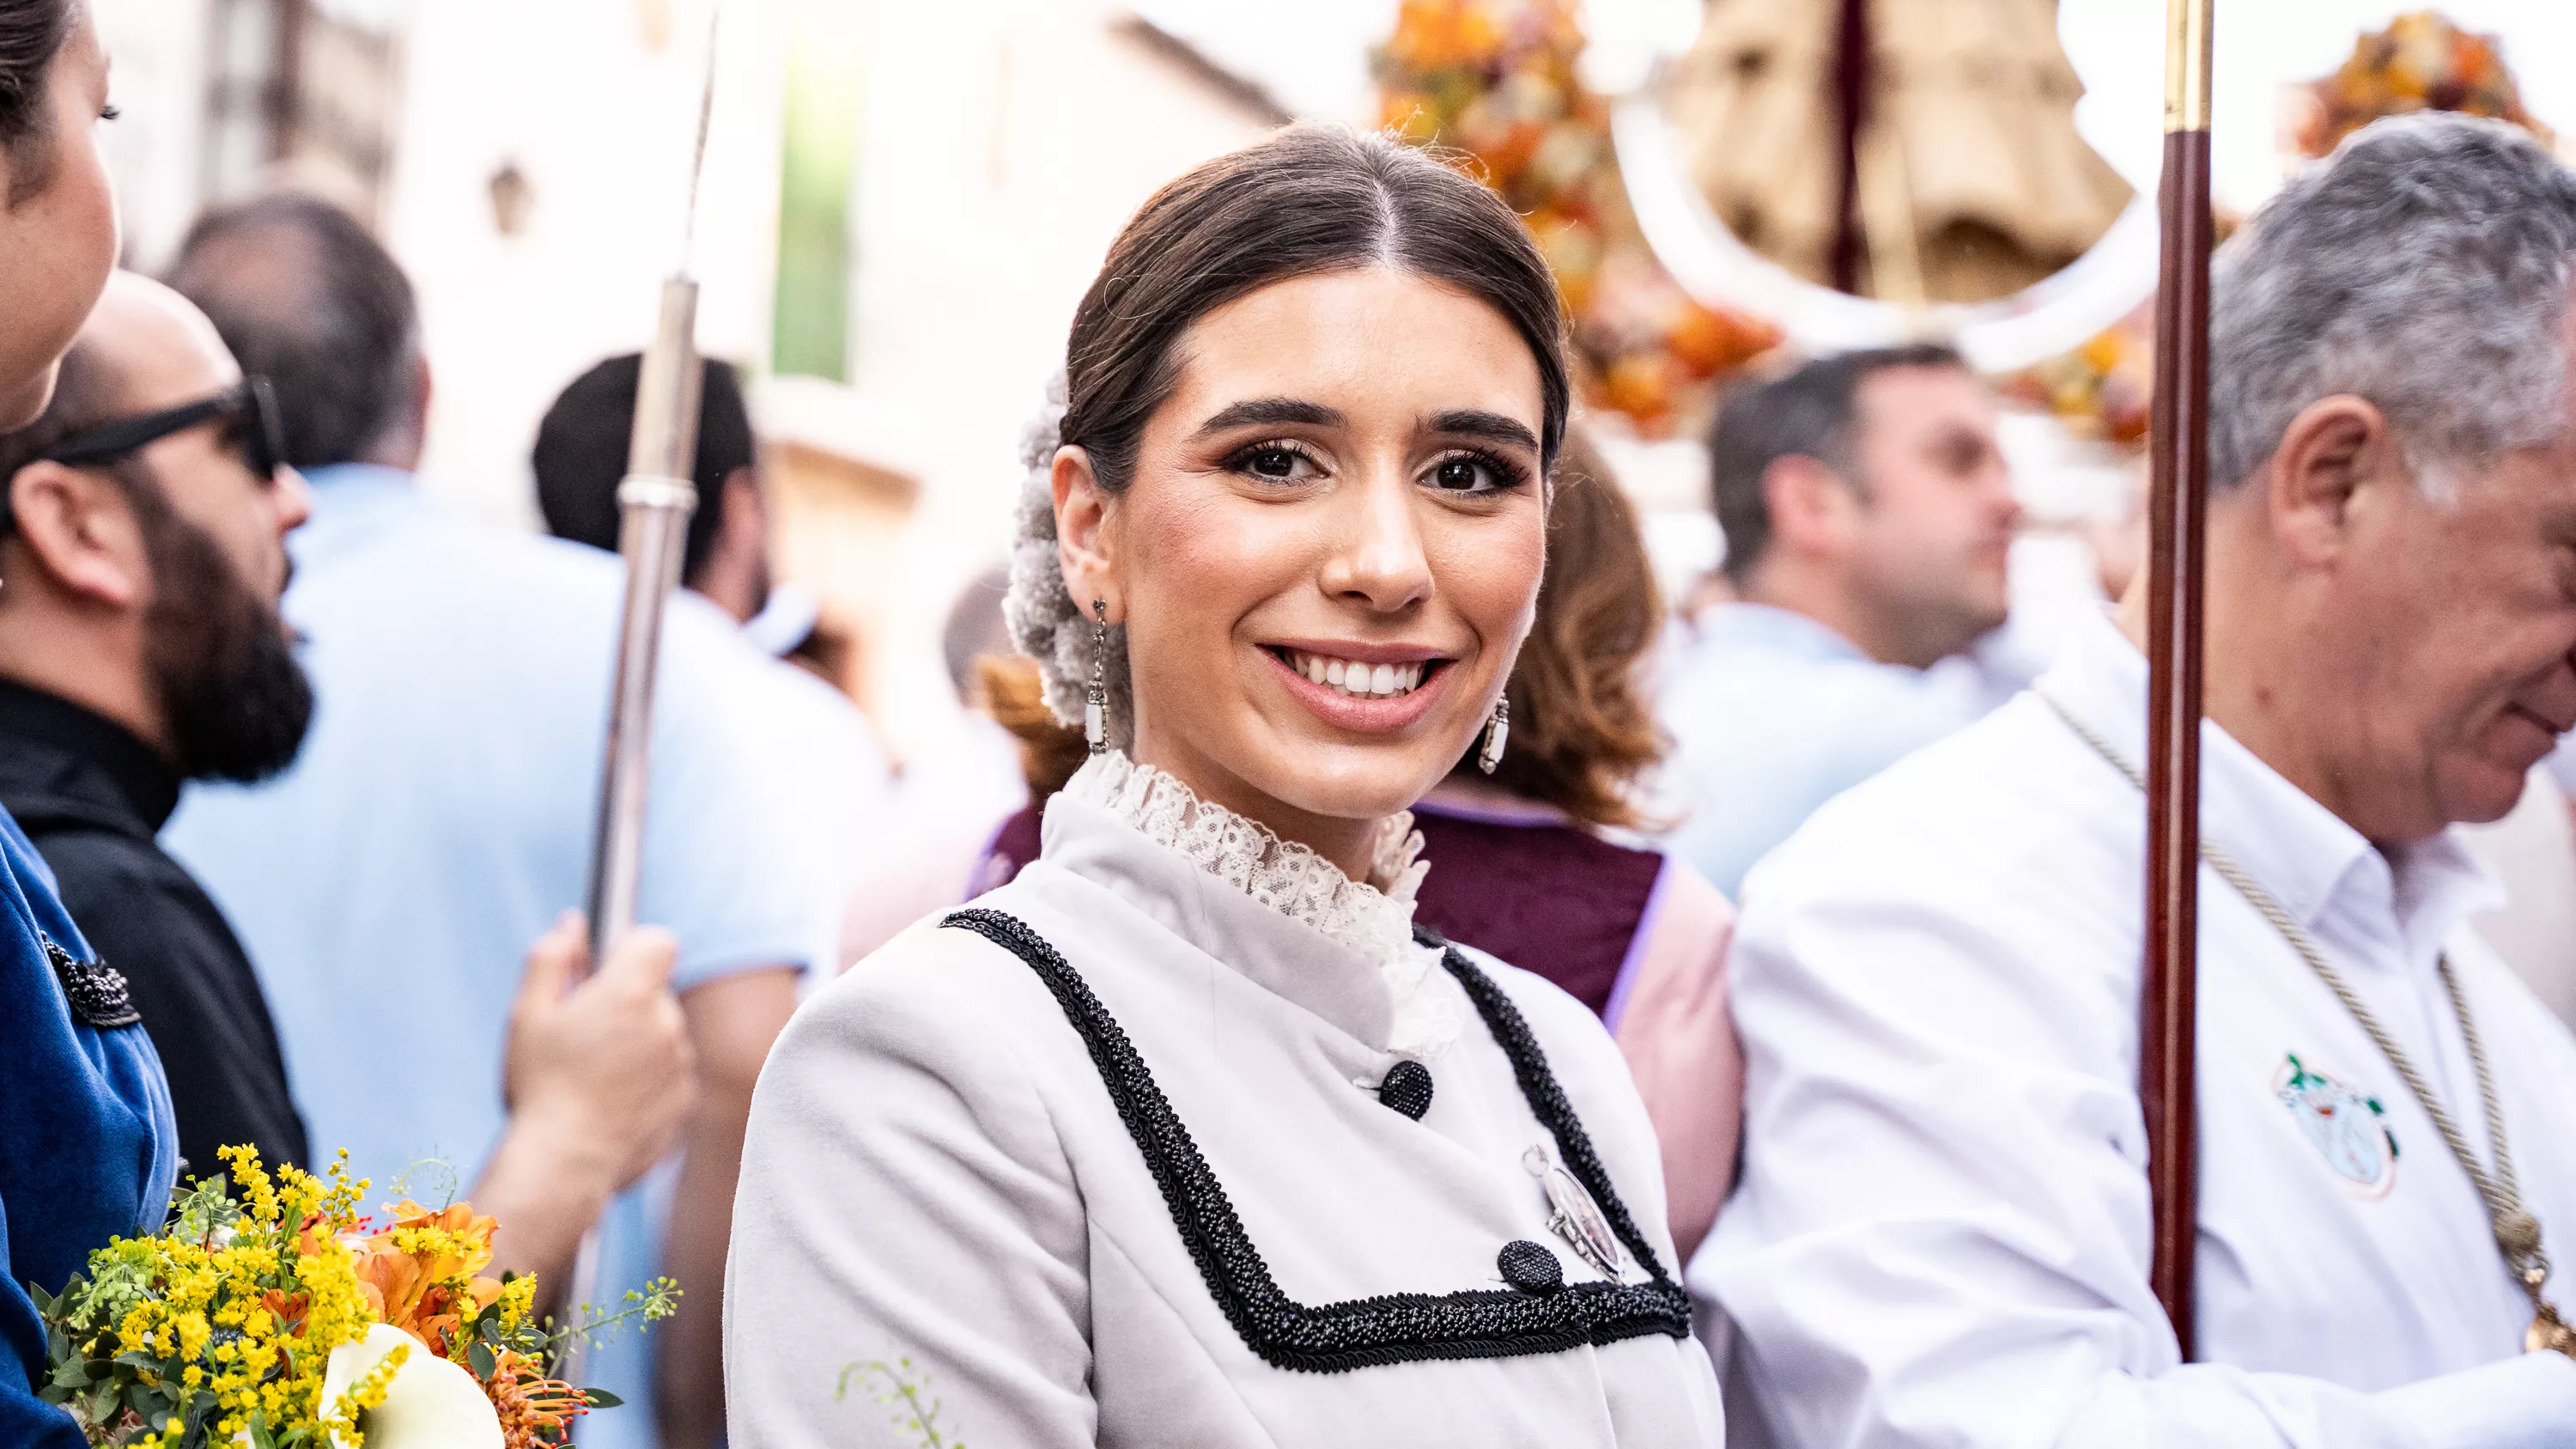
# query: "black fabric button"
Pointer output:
{"type": "Point", "coordinates": [1530, 1267]}
{"type": "Point", "coordinates": [1407, 1088]}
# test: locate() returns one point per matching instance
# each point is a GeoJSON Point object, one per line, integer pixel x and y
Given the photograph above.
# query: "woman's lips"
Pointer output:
{"type": "Point", "coordinates": [1370, 713]}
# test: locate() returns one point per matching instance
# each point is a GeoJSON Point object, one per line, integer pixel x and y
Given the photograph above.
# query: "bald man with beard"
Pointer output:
{"type": "Point", "coordinates": [144, 545]}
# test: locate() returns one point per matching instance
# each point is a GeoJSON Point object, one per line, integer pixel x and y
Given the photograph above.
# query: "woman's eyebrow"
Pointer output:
{"type": "Point", "coordinates": [1272, 411]}
{"type": "Point", "coordinates": [1493, 427]}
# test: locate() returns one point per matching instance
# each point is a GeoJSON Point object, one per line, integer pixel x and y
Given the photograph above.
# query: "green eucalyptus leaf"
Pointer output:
{"type": "Point", "coordinates": [603, 1399]}
{"type": "Point", "coordinates": [102, 1406]}
{"type": "Point", "coordinates": [484, 1360]}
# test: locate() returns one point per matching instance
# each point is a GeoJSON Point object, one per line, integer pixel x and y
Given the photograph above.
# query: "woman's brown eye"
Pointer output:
{"type": "Point", "coordinates": [1276, 463]}
{"type": "Point", "coordinates": [1459, 475]}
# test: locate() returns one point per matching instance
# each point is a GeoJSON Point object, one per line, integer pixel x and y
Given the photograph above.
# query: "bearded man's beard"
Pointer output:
{"type": "Point", "coordinates": [236, 701]}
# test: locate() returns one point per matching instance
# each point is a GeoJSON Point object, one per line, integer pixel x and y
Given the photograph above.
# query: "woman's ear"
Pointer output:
{"type": "Point", "coordinates": [1085, 535]}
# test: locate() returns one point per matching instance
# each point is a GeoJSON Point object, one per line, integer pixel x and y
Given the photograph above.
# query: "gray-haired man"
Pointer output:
{"type": "Point", "coordinates": [1942, 1233]}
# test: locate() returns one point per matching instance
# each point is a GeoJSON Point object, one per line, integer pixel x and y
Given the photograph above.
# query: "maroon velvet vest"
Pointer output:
{"type": "Point", "coordinates": [1545, 897]}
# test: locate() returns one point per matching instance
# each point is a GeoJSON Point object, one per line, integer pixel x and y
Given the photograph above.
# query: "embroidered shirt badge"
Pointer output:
{"type": "Point", "coordinates": [2347, 1126]}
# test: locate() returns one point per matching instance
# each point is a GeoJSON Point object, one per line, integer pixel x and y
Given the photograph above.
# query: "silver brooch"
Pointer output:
{"type": "Point", "coordinates": [1574, 1216]}
{"type": "Point", "coordinates": [95, 991]}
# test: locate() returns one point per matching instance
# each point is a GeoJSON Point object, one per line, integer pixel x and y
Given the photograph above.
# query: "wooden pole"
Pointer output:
{"type": "Point", "coordinates": [2178, 492]}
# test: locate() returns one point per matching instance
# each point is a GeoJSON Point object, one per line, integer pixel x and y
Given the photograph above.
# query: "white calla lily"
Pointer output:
{"type": "Point", "coordinates": [431, 1403]}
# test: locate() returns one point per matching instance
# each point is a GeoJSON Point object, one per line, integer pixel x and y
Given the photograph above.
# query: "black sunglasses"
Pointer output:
{"type": "Point", "coordinates": [249, 405]}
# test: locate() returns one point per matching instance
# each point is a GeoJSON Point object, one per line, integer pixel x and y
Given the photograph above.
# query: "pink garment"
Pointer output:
{"type": "Point", "coordinates": [1679, 1038]}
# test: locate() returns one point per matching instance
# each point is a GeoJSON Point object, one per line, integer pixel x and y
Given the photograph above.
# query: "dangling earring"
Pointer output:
{"type": "Point", "coordinates": [1497, 734]}
{"type": "Point", "coordinates": [1095, 707]}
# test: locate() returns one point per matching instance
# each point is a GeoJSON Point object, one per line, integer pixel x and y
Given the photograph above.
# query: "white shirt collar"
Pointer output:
{"type": "Point", "coordinates": [2325, 873]}
{"type": "Point", "coordinates": [1278, 912]}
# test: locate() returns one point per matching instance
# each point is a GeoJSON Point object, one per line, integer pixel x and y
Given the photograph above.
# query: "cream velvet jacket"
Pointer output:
{"type": "Point", "coordinates": [946, 1205]}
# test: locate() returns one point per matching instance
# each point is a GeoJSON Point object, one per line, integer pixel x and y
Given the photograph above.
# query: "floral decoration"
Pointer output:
{"type": "Point", "coordinates": [269, 1313]}
{"type": "Point", "coordinates": [2421, 62]}
{"type": "Point", "coordinates": [1496, 79]}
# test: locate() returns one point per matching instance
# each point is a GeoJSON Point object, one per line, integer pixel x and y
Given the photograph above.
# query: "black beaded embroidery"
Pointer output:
{"type": "Point", "coordinates": [1361, 1332]}
{"type": "Point", "coordinates": [1530, 1267]}
{"type": "Point", "coordinates": [95, 991]}
{"type": "Point", "coordinates": [1407, 1088]}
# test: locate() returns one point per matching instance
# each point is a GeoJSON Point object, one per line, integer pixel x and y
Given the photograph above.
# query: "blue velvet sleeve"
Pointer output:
{"type": "Point", "coordinates": [88, 1145]}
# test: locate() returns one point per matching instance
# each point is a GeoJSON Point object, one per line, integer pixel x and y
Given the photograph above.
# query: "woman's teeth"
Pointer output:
{"type": "Point", "coordinates": [1349, 676]}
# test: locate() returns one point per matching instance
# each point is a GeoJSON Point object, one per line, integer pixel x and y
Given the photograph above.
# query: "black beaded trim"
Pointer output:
{"type": "Point", "coordinates": [1361, 1332]}
{"type": "Point", "coordinates": [95, 991]}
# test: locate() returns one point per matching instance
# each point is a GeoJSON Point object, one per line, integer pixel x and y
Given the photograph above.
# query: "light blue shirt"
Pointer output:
{"type": "Point", "coordinates": [440, 818]}
{"type": "Point", "coordinates": [1772, 714]}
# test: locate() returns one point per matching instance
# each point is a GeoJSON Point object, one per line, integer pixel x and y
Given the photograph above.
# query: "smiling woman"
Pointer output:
{"type": "Point", "coordinates": [1187, 1135]}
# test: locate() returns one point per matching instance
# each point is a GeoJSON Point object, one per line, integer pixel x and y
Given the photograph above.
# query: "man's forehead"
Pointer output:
{"type": "Point", "coordinates": [1930, 393]}
{"type": "Point", "coordinates": [160, 349]}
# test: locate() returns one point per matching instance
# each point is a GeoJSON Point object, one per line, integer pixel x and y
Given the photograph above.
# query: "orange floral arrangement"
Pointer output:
{"type": "Point", "coordinates": [422, 1273]}
{"type": "Point", "coordinates": [1496, 79]}
{"type": "Point", "coordinates": [2421, 62]}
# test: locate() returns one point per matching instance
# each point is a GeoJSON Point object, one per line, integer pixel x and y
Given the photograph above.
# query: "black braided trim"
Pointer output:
{"type": "Point", "coordinates": [1361, 1332]}
{"type": "Point", "coordinates": [1546, 1098]}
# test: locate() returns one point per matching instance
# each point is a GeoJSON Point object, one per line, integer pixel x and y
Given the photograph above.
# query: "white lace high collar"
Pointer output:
{"type": "Point", "coordinates": [1373, 919]}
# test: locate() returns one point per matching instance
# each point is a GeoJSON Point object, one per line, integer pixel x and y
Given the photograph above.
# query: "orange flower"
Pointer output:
{"type": "Point", "coordinates": [534, 1410]}
{"type": "Point", "coordinates": [420, 1272]}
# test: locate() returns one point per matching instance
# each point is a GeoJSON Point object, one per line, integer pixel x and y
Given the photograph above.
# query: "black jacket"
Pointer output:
{"type": "Point", "coordinates": [91, 796]}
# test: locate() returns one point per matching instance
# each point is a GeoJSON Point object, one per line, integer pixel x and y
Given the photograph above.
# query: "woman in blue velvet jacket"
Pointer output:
{"type": "Point", "coordinates": [88, 1148]}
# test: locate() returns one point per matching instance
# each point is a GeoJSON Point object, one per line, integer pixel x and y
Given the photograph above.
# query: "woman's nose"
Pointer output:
{"type": "Point", "coordinates": [1378, 559]}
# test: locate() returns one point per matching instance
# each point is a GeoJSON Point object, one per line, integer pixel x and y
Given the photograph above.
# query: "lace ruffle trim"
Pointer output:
{"type": "Point", "coordinates": [1372, 918]}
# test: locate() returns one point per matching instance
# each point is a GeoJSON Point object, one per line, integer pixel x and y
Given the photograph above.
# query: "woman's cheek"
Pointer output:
{"type": "Point", "coordinates": [1210, 556]}
{"type": "Point", "coordinates": [1493, 575]}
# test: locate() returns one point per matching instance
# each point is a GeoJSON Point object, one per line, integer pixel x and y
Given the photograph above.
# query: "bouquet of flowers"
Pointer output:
{"type": "Point", "coordinates": [272, 1314]}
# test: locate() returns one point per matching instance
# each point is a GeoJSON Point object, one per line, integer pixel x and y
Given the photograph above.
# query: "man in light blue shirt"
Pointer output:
{"type": "Point", "coordinates": [1868, 515]}
{"type": "Point", "coordinates": [842, 783]}
{"type": "Point", "coordinates": [441, 813]}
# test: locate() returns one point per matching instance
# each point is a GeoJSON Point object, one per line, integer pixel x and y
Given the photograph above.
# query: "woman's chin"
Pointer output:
{"type": "Point", "coordinates": [1340, 780]}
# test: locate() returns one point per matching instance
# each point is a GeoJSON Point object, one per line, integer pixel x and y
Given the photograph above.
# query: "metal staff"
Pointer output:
{"type": "Point", "coordinates": [2178, 493]}
{"type": "Point", "coordinates": [654, 503]}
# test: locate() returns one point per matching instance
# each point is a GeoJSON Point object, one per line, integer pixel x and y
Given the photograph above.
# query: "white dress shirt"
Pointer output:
{"type": "Point", "coordinates": [940, 1194]}
{"type": "Point", "coordinates": [1942, 1235]}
